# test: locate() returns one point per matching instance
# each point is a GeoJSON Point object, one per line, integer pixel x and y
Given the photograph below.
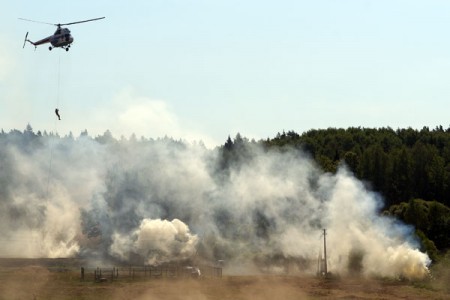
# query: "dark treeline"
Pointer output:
{"type": "Point", "coordinates": [401, 164]}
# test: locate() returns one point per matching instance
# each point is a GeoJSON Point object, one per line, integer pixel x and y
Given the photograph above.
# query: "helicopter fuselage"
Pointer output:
{"type": "Point", "coordinates": [61, 38]}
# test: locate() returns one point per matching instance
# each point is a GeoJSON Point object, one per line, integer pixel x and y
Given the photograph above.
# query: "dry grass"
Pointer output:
{"type": "Point", "coordinates": [37, 282]}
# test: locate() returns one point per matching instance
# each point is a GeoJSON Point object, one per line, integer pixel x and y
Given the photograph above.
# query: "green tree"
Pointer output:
{"type": "Point", "coordinates": [352, 161]}
{"type": "Point", "coordinates": [400, 185]}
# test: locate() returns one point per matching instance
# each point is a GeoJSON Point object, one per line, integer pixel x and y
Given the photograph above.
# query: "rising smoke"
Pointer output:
{"type": "Point", "coordinates": [156, 241]}
{"type": "Point", "coordinates": [162, 200]}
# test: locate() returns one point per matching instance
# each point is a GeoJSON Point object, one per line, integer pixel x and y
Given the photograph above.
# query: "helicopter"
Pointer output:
{"type": "Point", "coordinates": [61, 38]}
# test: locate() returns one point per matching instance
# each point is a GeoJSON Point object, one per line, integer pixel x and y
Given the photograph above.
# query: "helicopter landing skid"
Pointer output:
{"type": "Point", "coordinates": [63, 47]}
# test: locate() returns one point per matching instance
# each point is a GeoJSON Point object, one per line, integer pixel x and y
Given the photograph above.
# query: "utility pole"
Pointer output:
{"type": "Point", "coordinates": [325, 251]}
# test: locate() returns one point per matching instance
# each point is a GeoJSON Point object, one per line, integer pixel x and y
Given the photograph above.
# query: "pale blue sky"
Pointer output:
{"type": "Point", "coordinates": [206, 69]}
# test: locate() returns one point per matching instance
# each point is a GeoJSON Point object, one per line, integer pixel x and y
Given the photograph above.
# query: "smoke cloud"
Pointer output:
{"type": "Point", "coordinates": [162, 200]}
{"type": "Point", "coordinates": [157, 241]}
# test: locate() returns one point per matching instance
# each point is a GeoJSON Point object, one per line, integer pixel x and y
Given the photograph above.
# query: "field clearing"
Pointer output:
{"type": "Point", "coordinates": [40, 282]}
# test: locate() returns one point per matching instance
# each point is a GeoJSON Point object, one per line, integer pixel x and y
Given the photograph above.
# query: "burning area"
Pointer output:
{"type": "Point", "coordinates": [163, 200]}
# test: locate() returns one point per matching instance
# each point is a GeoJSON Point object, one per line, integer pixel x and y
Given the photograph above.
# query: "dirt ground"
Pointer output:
{"type": "Point", "coordinates": [37, 282]}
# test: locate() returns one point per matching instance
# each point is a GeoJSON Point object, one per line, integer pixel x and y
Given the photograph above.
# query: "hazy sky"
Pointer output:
{"type": "Point", "coordinates": [206, 69]}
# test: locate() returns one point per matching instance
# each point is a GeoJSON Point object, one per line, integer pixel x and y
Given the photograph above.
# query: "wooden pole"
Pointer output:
{"type": "Point", "coordinates": [325, 251]}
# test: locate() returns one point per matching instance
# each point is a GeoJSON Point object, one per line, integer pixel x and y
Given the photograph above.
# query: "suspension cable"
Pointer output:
{"type": "Point", "coordinates": [55, 124]}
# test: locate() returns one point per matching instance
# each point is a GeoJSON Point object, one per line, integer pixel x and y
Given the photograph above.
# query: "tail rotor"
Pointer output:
{"type": "Point", "coordinates": [25, 40]}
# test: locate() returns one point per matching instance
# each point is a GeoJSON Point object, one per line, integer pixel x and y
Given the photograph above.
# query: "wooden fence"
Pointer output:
{"type": "Point", "coordinates": [148, 272]}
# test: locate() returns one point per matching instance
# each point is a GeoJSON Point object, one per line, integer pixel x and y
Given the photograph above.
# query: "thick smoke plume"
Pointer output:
{"type": "Point", "coordinates": [157, 241]}
{"type": "Point", "coordinates": [162, 200]}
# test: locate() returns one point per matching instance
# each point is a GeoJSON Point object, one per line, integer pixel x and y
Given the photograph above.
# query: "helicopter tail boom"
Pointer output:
{"type": "Point", "coordinates": [35, 44]}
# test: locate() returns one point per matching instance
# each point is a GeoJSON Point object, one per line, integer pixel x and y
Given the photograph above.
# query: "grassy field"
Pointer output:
{"type": "Point", "coordinates": [38, 282]}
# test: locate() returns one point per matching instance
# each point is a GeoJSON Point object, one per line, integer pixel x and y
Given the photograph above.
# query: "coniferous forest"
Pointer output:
{"type": "Point", "coordinates": [401, 164]}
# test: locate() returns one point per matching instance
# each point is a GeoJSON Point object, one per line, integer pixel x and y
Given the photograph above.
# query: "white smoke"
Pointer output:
{"type": "Point", "coordinates": [157, 241]}
{"type": "Point", "coordinates": [115, 198]}
{"type": "Point", "coordinates": [353, 215]}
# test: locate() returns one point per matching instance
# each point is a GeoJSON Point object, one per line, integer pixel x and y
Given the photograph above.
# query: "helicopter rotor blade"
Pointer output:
{"type": "Point", "coordinates": [79, 22]}
{"type": "Point", "coordinates": [35, 21]}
